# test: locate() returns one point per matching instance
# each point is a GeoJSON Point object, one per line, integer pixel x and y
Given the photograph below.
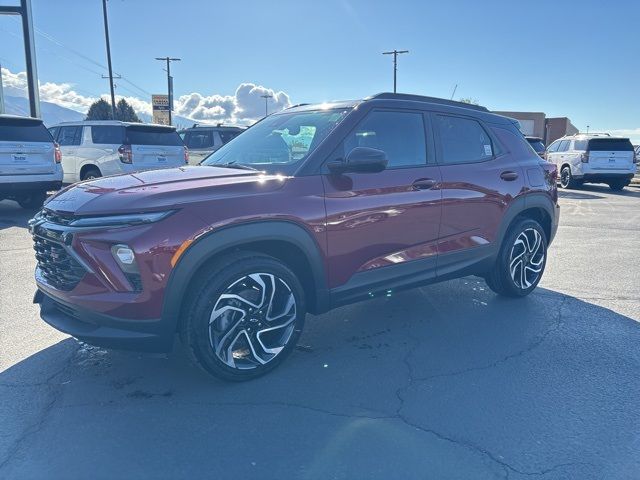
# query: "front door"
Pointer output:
{"type": "Point", "coordinates": [384, 226]}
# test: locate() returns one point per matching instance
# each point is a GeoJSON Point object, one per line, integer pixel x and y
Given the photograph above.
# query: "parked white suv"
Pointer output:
{"type": "Point", "coordinates": [92, 149]}
{"type": "Point", "coordinates": [203, 140]}
{"type": "Point", "coordinates": [29, 161]}
{"type": "Point", "coordinates": [593, 158]}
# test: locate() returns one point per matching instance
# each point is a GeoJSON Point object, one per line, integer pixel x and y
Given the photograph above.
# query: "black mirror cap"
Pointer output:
{"type": "Point", "coordinates": [361, 160]}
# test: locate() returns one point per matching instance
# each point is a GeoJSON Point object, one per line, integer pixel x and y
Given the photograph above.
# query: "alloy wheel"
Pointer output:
{"type": "Point", "coordinates": [252, 320]}
{"type": "Point", "coordinates": [527, 258]}
{"type": "Point", "coordinates": [565, 177]}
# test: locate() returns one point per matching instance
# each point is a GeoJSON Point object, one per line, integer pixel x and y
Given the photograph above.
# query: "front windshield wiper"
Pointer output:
{"type": "Point", "coordinates": [239, 166]}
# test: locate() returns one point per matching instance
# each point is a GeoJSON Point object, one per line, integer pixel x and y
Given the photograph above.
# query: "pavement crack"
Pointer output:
{"type": "Point", "coordinates": [539, 341]}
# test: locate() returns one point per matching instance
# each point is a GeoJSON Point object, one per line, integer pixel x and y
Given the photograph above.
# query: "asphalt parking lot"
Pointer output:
{"type": "Point", "coordinates": [447, 381]}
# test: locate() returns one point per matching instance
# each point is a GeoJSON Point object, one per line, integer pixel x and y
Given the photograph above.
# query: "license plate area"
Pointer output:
{"type": "Point", "coordinates": [20, 158]}
{"type": "Point", "coordinates": [161, 159]}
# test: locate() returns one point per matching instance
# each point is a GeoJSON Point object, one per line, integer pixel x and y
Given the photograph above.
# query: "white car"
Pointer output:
{"type": "Point", "coordinates": [593, 158]}
{"type": "Point", "coordinates": [29, 161]}
{"type": "Point", "coordinates": [203, 140]}
{"type": "Point", "coordinates": [93, 149]}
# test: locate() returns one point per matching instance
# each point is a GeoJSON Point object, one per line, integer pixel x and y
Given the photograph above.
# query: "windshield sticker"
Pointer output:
{"type": "Point", "coordinates": [487, 150]}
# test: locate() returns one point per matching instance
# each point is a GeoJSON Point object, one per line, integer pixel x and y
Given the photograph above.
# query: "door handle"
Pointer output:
{"type": "Point", "coordinates": [509, 176]}
{"type": "Point", "coordinates": [423, 184]}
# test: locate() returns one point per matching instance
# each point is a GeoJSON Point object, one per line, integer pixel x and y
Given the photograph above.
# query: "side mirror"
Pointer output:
{"type": "Point", "coordinates": [360, 160]}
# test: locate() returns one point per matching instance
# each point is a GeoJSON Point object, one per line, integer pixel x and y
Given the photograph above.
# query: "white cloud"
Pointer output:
{"type": "Point", "coordinates": [244, 107]}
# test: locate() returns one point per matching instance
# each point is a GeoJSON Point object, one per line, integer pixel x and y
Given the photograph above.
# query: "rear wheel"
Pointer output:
{"type": "Point", "coordinates": [617, 185]}
{"type": "Point", "coordinates": [567, 180]}
{"type": "Point", "coordinates": [244, 316]}
{"type": "Point", "coordinates": [521, 260]}
{"type": "Point", "coordinates": [90, 173]}
{"type": "Point", "coordinates": [33, 200]}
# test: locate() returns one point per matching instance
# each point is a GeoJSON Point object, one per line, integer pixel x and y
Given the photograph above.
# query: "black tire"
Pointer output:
{"type": "Point", "coordinates": [33, 200]}
{"type": "Point", "coordinates": [200, 332]}
{"type": "Point", "coordinates": [500, 279]}
{"type": "Point", "coordinates": [567, 180]}
{"type": "Point", "coordinates": [618, 185]}
{"type": "Point", "coordinates": [91, 173]}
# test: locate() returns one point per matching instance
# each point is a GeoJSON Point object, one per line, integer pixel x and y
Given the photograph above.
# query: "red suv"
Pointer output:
{"type": "Point", "coordinates": [309, 209]}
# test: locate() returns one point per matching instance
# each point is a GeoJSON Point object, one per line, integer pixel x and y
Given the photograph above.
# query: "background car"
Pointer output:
{"type": "Point", "coordinates": [202, 140]}
{"type": "Point", "coordinates": [593, 158]}
{"type": "Point", "coordinates": [29, 161]}
{"type": "Point", "coordinates": [537, 144]}
{"type": "Point", "coordinates": [93, 149]}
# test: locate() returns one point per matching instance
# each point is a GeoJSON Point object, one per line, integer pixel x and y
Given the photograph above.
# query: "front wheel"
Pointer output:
{"type": "Point", "coordinates": [244, 316]}
{"type": "Point", "coordinates": [521, 260]}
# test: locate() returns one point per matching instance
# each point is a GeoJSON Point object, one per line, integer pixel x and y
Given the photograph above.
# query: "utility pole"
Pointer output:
{"type": "Point", "coordinates": [395, 54]}
{"type": "Point", "coordinates": [106, 36]}
{"type": "Point", "coordinates": [266, 97]}
{"type": "Point", "coordinates": [169, 81]}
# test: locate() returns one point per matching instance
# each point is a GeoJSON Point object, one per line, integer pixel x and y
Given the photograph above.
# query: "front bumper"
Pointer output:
{"type": "Point", "coordinates": [103, 330]}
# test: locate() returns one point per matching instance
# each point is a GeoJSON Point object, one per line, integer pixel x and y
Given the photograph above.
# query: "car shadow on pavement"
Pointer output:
{"type": "Point", "coordinates": [629, 191]}
{"type": "Point", "coordinates": [12, 215]}
{"type": "Point", "coordinates": [447, 379]}
{"type": "Point", "coordinates": [575, 195]}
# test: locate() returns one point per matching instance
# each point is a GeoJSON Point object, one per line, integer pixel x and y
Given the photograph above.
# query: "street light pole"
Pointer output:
{"type": "Point", "coordinates": [168, 60]}
{"type": "Point", "coordinates": [106, 36]}
{"type": "Point", "coordinates": [395, 54]}
{"type": "Point", "coordinates": [266, 97]}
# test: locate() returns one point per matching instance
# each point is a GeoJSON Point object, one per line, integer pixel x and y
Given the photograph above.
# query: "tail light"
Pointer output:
{"type": "Point", "coordinates": [551, 176]}
{"type": "Point", "coordinates": [186, 155]}
{"type": "Point", "coordinates": [125, 154]}
{"type": "Point", "coordinates": [57, 154]}
{"type": "Point", "coordinates": [584, 157]}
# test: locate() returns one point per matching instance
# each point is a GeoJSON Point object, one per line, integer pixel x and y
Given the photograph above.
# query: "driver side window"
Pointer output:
{"type": "Point", "coordinates": [399, 134]}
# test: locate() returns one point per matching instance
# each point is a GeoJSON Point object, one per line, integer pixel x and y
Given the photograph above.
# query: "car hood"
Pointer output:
{"type": "Point", "coordinates": [160, 189]}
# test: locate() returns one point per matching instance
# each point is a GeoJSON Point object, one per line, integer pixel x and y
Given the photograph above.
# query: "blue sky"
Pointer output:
{"type": "Point", "coordinates": [575, 59]}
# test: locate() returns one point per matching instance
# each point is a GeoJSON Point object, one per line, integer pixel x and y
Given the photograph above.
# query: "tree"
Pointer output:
{"type": "Point", "coordinates": [125, 112]}
{"type": "Point", "coordinates": [99, 110]}
{"type": "Point", "coordinates": [472, 101]}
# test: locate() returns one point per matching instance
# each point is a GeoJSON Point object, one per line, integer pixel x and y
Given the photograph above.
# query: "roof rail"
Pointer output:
{"type": "Point", "coordinates": [297, 105]}
{"type": "Point", "coordinates": [595, 134]}
{"type": "Point", "coordinates": [422, 98]}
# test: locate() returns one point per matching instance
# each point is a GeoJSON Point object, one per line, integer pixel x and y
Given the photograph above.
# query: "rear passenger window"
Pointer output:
{"type": "Point", "coordinates": [579, 144]}
{"type": "Point", "coordinates": [463, 140]}
{"type": "Point", "coordinates": [399, 134]}
{"type": "Point", "coordinates": [553, 147]}
{"type": "Point", "coordinates": [70, 136]}
{"type": "Point", "coordinates": [564, 145]}
{"type": "Point", "coordinates": [107, 134]}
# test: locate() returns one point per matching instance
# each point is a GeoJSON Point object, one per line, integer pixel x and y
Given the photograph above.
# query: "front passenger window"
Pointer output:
{"type": "Point", "coordinates": [399, 134]}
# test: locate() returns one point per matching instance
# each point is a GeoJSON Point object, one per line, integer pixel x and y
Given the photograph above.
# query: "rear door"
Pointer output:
{"type": "Point", "coordinates": [479, 181]}
{"type": "Point", "coordinates": [101, 148]}
{"type": "Point", "coordinates": [26, 147]}
{"type": "Point", "coordinates": [155, 147]}
{"type": "Point", "coordinates": [610, 154]}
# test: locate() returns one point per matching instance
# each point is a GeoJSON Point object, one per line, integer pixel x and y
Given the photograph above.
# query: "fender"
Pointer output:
{"type": "Point", "coordinates": [216, 241]}
{"type": "Point", "coordinates": [524, 202]}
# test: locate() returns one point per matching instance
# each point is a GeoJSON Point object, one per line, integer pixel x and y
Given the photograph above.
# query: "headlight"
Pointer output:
{"type": "Point", "coordinates": [120, 220]}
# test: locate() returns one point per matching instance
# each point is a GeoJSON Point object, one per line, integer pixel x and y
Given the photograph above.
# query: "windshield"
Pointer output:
{"type": "Point", "coordinates": [279, 143]}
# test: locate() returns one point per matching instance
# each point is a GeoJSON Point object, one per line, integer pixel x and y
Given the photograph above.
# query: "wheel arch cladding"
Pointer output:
{"type": "Point", "coordinates": [538, 207]}
{"type": "Point", "coordinates": [286, 241]}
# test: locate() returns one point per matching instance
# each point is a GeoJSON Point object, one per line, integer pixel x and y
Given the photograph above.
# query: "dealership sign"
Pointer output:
{"type": "Point", "coordinates": [160, 106]}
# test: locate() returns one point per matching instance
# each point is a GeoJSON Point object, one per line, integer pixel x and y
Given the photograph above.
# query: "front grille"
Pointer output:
{"type": "Point", "coordinates": [57, 218]}
{"type": "Point", "coordinates": [56, 265]}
